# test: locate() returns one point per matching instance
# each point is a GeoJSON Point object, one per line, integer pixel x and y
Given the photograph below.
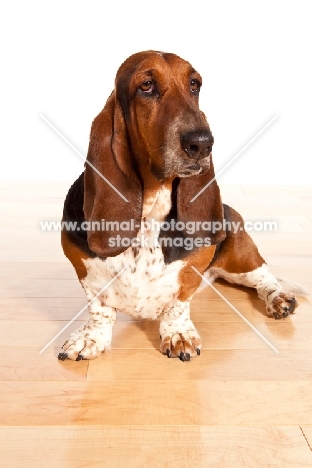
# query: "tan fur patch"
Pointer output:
{"type": "Point", "coordinates": [188, 278]}
{"type": "Point", "coordinates": [75, 255]}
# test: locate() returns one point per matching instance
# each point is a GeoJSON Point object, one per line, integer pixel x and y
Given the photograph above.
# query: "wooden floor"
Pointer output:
{"type": "Point", "coordinates": [239, 404]}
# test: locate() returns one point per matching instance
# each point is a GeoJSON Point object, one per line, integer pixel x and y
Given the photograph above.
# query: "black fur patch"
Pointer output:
{"type": "Point", "coordinates": [73, 212]}
{"type": "Point", "coordinates": [170, 252]}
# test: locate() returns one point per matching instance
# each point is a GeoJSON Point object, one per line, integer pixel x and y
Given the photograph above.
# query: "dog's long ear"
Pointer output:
{"type": "Point", "coordinates": [206, 208]}
{"type": "Point", "coordinates": [112, 191]}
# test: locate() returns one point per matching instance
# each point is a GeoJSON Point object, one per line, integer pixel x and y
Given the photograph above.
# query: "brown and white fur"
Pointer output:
{"type": "Point", "coordinates": [153, 144]}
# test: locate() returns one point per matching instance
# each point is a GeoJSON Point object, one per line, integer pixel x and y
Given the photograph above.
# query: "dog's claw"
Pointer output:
{"type": "Point", "coordinates": [62, 356]}
{"type": "Point", "coordinates": [168, 353]}
{"type": "Point", "coordinates": [185, 356]}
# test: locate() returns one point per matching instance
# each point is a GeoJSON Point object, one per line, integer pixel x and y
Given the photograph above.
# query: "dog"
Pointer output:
{"type": "Point", "coordinates": [150, 223]}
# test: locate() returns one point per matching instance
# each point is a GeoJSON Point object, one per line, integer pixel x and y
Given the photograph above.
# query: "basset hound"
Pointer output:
{"type": "Point", "coordinates": [146, 233]}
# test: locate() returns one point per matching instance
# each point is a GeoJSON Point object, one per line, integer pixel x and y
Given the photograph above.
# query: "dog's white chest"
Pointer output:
{"type": "Point", "coordinates": [142, 285]}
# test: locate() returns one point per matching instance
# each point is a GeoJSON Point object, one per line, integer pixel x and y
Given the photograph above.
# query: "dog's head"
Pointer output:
{"type": "Point", "coordinates": [151, 126]}
{"type": "Point", "coordinates": [159, 95]}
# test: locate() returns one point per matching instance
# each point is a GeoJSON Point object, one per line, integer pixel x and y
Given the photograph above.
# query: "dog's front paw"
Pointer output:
{"type": "Point", "coordinates": [281, 305]}
{"type": "Point", "coordinates": [182, 345]}
{"type": "Point", "coordinates": [84, 344]}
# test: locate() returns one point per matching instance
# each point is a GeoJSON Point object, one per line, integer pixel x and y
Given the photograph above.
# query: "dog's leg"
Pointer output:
{"type": "Point", "coordinates": [93, 337]}
{"type": "Point", "coordinates": [240, 262]}
{"type": "Point", "coordinates": [279, 301]}
{"type": "Point", "coordinates": [179, 337]}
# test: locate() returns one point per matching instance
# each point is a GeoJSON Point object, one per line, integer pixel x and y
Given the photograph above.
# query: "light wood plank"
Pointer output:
{"type": "Point", "coordinates": [220, 335]}
{"type": "Point", "coordinates": [307, 227]}
{"type": "Point", "coordinates": [15, 198]}
{"type": "Point", "coordinates": [31, 243]}
{"type": "Point", "coordinates": [32, 210]}
{"type": "Point", "coordinates": [158, 403]}
{"type": "Point", "coordinates": [292, 272]}
{"type": "Point", "coordinates": [34, 188]}
{"type": "Point", "coordinates": [27, 364]}
{"type": "Point", "coordinates": [114, 365]}
{"type": "Point", "coordinates": [30, 231]}
{"type": "Point", "coordinates": [48, 271]}
{"type": "Point", "coordinates": [34, 335]}
{"type": "Point", "coordinates": [216, 310]}
{"type": "Point", "coordinates": [21, 223]}
{"type": "Point", "coordinates": [269, 191]}
{"type": "Point", "coordinates": [33, 256]}
{"type": "Point", "coordinates": [303, 261]}
{"type": "Point", "coordinates": [307, 431]}
{"type": "Point", "coordinates": [306, 197]}
{"type": "Point", "coordinates": [212, 365]}
{"type": "Point", "coordinates": [275, 208]}
{"type": "Point", "coordinates": [42, 309]}
{"type": "Point", "coordinates": [134, 446]}
{"type": "Point", "coordinates": [145, 334]}
{"type": "Point", "coordinates": [230, 190]}
{"type": "Point", "coordinates": [284, 244]}
{"type": "Point", "coordinates": [40, 288]}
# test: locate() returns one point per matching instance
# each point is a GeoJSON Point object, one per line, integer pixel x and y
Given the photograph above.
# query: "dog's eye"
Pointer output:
{"type": "Point", "coordinates": [195, 86]}
{"type": "Point", "coordinates": [147, 87]}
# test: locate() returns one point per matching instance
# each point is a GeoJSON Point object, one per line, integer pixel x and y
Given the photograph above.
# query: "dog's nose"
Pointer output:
{"type": "Point", "coordinates": [197, 144]}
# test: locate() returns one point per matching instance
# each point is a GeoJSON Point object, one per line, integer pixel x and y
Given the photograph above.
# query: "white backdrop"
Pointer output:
{"type": "Point", "coordinates": [59, 58]}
